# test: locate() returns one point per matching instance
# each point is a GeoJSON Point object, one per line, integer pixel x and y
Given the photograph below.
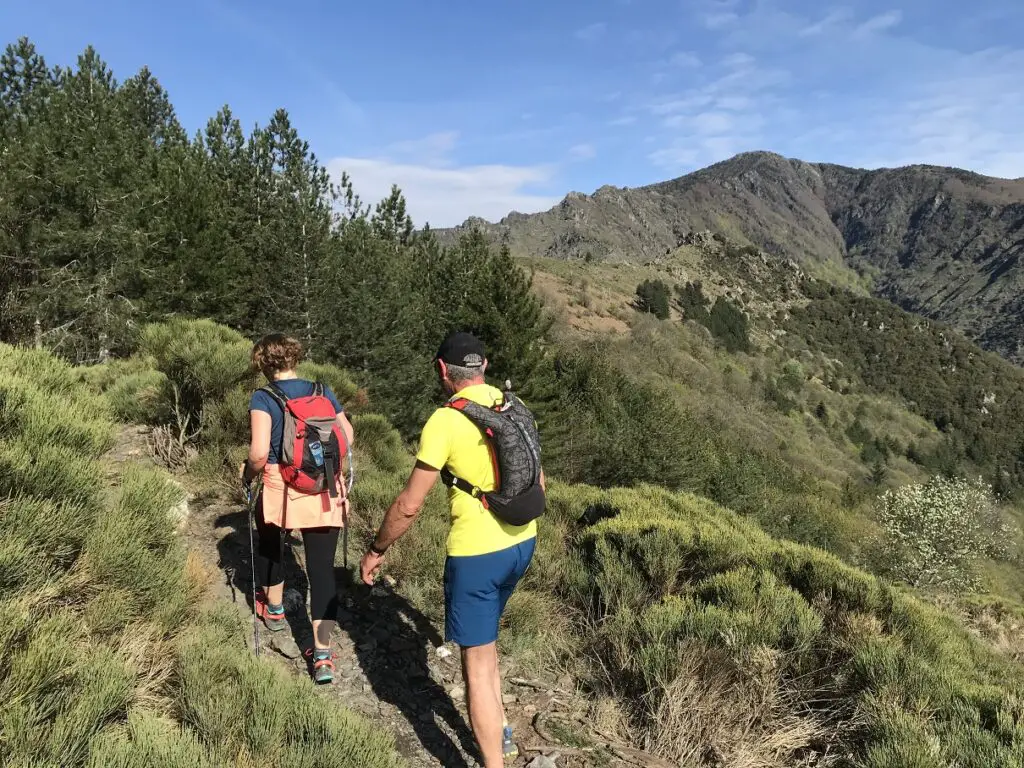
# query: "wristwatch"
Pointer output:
{"type": "Point", "coordinates": [378, 552]}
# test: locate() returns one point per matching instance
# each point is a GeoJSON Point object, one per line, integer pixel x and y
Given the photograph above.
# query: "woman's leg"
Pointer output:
{"type": "Point", "coordinates": [269, 556]}
{"type": "Point", "coordinates": [321, 544]}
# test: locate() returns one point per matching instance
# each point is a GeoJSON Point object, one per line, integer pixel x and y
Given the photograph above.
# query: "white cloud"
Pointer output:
{"type": "Point", "coordinates": [583, 152]}
{"type": "Point", "coordinates": [445, 197]}
{"type": "Point", "coordinates": [879, 23]}
{"type": "Point", "coordinates": [592, 32]}
{"type": "Point", "coordinates": [685, 59]}
{"type": "Point", "coordinates": [831, 19]}
{"type": "Point", "coordinates": [720, 20]}
{"type": "Point", "coordinates": [734, 103]}
{"type": "Point", "coordinates": [738, 60]}
{"type": "Point", "coordinates": [434, 149]}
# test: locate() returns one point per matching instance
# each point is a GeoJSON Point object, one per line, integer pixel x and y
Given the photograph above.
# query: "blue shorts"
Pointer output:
{"type": "Point", "coordinates": [476, 589]}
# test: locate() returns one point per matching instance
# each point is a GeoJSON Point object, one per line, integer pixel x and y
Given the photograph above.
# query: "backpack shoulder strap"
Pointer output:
{"type": "Point", "coordinates": [277, 394]}
{"type": "Point", "coordinates": [318, 389]}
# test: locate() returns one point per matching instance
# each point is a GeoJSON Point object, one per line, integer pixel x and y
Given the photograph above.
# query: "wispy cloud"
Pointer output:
{"type": "Point", "coordinates": [738, 60]}
{"type": "Point", "coordinates": [622, 121]}
{"type": "Point", "coordinates": [831, 19]}
{"type": "Point", "coordinates": [879, 23]}
{"type": "Point", "coordinates": [583, 152]}
{"type": "Point", "coordinates": [720, 20]}
{"type": "Point", "coordinates": [685, 59]}
{"type": "Point", "coordinates": [264, 33]}
{"type": "Point", "coordinates": [592, 33]}
{"type": "Point", "coordinates": [434, 149]}
{"type": "Point", "coordinates": [839, 88]}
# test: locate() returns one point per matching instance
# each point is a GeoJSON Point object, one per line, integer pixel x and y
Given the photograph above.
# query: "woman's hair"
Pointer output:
{"type": "Point", "coordinates": [276, 352]}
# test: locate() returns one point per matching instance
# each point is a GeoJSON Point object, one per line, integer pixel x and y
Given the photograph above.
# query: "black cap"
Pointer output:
{"type": "Point", "coordinates": [462, 349]}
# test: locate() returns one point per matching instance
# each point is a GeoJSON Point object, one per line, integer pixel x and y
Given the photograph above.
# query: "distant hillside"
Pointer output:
{"type": "Point", "coordinates": [942, 242]}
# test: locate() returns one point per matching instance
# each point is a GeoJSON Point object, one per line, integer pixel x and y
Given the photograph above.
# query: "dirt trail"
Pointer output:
{"type": "Point", "coordinates": [392, 665]}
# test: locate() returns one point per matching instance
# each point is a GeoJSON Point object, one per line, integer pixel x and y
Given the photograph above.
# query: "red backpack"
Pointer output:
{"type": "Point", "coordinates": [314, 445]}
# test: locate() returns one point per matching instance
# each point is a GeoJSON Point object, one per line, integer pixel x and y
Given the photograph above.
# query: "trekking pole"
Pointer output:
{"type": "Point", "coordinates": [250, 497]}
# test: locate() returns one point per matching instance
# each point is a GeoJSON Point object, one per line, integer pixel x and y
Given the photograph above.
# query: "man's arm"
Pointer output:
{"type": "Point", "coordinates": [406, 507]}
{"type": "Point", "coordinates": [400, 517]}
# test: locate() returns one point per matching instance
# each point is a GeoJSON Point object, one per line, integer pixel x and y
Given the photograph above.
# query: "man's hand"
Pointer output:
{"type": "Point", "coordinates": [369, 568]}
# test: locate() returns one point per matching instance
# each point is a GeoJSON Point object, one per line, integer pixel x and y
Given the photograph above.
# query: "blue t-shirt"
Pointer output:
{"type": "Point", "coordinates": [263, 401]}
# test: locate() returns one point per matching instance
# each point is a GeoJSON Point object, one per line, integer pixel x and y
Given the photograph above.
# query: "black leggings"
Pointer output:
{"type": "Point", "coordinates": [320, 545]}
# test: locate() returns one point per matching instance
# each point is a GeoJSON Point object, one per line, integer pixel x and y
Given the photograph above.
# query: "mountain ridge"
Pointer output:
{"type": "Point", "coordinates": [945, 243]}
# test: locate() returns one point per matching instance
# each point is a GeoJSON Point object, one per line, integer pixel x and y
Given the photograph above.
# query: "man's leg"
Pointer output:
{"type": "Point", "coordinates": [480, 670]}
{"type": "Point", "coordinates": [523, 555]}
{"type": "Point", "coordinates": [472, 605]}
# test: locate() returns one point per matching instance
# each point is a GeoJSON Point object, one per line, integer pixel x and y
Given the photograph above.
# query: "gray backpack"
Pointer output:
{"type": "Point", "coordinates": [510, 431]}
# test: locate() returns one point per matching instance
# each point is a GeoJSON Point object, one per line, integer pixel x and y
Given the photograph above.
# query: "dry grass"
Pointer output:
{"type": "Point", "coordinates": [741, 714]}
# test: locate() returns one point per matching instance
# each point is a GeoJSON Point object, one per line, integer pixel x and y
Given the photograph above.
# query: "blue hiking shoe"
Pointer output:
{"type": "Point", "coordinates": [272, 615]}
{"type": "Point", "coordinates": [323, 665]}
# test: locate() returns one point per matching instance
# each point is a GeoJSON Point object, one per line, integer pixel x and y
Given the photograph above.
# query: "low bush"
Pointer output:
{"type": "Point", "coordinates": [204, 365]}
{"type": "Point", "coordinates": [799, 652]}
{"type": "Point", "coordinates": [105, 658]}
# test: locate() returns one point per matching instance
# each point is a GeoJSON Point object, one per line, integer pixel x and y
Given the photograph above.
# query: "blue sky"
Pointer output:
{"type": "Point", "coordinates": [479, 108]}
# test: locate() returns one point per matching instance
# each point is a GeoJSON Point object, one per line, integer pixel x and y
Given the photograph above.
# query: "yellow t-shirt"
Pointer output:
{"type": "Point", "coordinates": [451, 439]}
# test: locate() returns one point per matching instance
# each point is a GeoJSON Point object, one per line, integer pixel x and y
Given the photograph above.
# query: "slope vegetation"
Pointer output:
{"type": "Point", "coordinates": [108, 655]}
{"type": "Point", "coordinates": [692, 632]}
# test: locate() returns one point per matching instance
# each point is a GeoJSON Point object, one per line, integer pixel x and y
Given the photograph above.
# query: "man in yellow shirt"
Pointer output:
{"type": "Point", "coordinates": [486, 556]}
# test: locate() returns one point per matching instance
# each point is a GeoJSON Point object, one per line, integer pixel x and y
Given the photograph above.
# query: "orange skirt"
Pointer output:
{"type": "Point", "coordinates": [287, 508]}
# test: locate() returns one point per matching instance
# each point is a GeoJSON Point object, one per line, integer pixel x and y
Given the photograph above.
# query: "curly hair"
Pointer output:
{"type": "Point", "coordinates": [276, 352]}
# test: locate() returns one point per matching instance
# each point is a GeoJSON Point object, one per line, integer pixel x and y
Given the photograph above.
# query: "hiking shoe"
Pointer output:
{"type": "Point", "coordinates": [509, 750]}
{"type": "Point", "coordinates": [272, 615]}
{"type": "Point", "coordinates": [323, 665]}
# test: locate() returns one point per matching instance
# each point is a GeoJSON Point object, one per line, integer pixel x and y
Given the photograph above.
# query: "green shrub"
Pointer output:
{"type": "Point", "coordinates": [138, 398]}
{"type": "Point", "coordinates": [652, 296]}
{"type": "Point", "coordinates": [610, 429]}
{"type": "Point", "coordinates": [672, 577]}
{"type": "Point", "coordinates": [692, 302]}
{"type": "Point", "coordinates": [729, 324]}
{"type": "Point", "coordinates": [335, 378]}
{"type": "Point", "coordinates": [380, 442]}
{"type": "Point", "coordinates": [204, 363]}
{"type": "Point", "coordinates": [45, 417]}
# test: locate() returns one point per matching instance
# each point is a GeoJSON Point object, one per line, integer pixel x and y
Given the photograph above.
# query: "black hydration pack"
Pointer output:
{"type": "Point", "coordinates": [511, 434]}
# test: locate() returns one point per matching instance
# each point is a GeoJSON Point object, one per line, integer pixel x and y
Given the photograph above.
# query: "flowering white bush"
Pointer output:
{"type": "Point", "coordinates": [937, 531]}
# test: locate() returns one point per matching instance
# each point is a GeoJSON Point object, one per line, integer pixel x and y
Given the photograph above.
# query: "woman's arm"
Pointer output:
{"type": "Point", "coordinates": [259, 444]}
{"type": "Point", "coordinates": [346, 428]}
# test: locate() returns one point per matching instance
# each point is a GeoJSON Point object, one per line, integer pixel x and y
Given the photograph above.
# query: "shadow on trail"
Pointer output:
{"type": "Point", "coordinates": [392, 644]}
{"type": "Point", "coordinates": [234, 560]}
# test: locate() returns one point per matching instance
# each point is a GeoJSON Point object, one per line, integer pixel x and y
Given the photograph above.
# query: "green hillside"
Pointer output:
{"type": "Point", "coordinates": [707, 635]}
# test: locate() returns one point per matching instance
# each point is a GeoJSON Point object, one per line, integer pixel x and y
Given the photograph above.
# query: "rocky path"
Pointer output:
{"type": "Point", "coordinates": [392, 664]}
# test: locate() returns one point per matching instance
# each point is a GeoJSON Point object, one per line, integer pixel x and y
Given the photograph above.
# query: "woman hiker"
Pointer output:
{"type": "Point", "coordinates": [282, 507]}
